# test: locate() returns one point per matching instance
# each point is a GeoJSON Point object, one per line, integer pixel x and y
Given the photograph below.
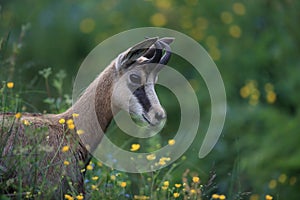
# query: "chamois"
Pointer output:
{"type": "Point", "coordinates": [138, 67]}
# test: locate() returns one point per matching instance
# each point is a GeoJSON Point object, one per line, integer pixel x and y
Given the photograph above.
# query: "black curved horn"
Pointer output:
{"type": "Point", "coordinates": [166, 57]}
{"type": "Point", "coordinates": [157, 54]}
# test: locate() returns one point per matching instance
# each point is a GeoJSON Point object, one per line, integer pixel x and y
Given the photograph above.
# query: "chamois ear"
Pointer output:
{"type": "Point", "coordinates": [167, 40]}
{"type": "Point", "coordinates": [137, 51]}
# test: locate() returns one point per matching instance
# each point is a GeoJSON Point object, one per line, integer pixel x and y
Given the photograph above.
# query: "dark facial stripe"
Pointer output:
{"type": "Point", "coordinates": [140, 94]}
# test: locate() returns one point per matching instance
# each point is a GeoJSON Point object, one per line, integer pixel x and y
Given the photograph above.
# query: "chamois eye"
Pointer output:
{"type": "Point", "coordinates": [135, 79]}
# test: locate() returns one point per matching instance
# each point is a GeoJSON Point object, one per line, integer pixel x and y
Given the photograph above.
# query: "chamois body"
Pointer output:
{"type": "Point", "coordinates": [42, 137]}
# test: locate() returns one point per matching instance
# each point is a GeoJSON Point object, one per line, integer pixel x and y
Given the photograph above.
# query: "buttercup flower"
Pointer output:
{"type": "Point", "coordinates": [171, 142]}
{"type": "Point", "coordinates": [123, 184]}
{"type": "Point", "coordinates": [113, 177]}
{"type": "Point", "coordinates": [151, 157]}
{"type": "Point", "coordinates": [166, 183]}
{"type": "Point", "coordinates": [79, 197]}
{"type": "Point", "coordinates": [65, 148]}
{"type": "Point", "coordinates": [10, 85]}
{"type": "Point", "coordinates": [164, 187]}
{"type": "Point", "coordinates": [99, 164]}
{"type": "Point", "coordinates": [80, 132]}
{"type": "Point", "coordinates": [135, 147]}
{"type": "Point", "coordinates": [26, 122]}
{"type": "Point", "coordinates": [18, 115]}
{"type": "Point", "coordinates": [193, 191]}
{"type": "Point", "coordinates": [66, 162]}
{"type": "Point", "coordinates": [71, 126]}
{"type": "Point", "coordinates": [176, 194]}
{"type": "Point", "coordinates": [94, 187]}
{"type": "Point", "coordinates": [196, 179]}
{"type": "Point", "coordinates": [89, 167]}
{"type": "Point", "coordinates": [62, 121]}
{"type": "Point", "coordinates": [68, 197]}
{"type": "Point", "coordinates": [70, 121]}
{"type": "Point", "coordinates": [75, 115]}
{"type": "Point", "coordinates": [268, 197]}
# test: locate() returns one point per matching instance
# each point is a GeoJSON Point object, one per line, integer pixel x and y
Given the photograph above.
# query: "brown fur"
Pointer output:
{"type": "Point", "coordinates": [44, 137]}
{"type": "Point", "coordinates": [96, 97]}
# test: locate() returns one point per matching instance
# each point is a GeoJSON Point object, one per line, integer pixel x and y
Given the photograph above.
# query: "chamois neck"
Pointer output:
{"type": "Point", "coordinates": [94, 108]}
{"type": "Point", "coordinates": [103, 105]}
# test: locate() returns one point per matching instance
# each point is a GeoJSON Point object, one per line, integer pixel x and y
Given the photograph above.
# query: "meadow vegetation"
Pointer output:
{"type": "Point", "coordinates": [255, 45]}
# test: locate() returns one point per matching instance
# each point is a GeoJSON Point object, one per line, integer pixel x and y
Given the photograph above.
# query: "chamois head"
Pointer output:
{"type": "Point", "coordinates": [137, 71]}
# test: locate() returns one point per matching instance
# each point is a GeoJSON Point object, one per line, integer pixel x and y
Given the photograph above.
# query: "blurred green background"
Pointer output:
{"type": "Point", "coordinates": [255, 45]}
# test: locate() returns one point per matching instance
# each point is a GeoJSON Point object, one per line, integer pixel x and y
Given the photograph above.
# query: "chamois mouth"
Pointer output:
{"type": "Point", "coordinates": [140, 120]}
{"type": "Point", "coordinates": [147, 120]}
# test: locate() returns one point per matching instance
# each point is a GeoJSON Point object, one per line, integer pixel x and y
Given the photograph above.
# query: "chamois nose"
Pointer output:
{"type": "Point", "coordinates": [159, 116]}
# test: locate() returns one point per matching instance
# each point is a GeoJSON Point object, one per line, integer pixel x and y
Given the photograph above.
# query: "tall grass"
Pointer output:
{"type": "Point", "coordinates": [101, 182]}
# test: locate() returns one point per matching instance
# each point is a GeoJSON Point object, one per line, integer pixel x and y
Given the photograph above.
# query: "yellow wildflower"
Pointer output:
{"type": "Point", "coordinates": [28, 195]}
{"type": "Point", "coordinates": [99, 164]}
{"type": "Point", "coordinates": [272, 184]}
{"type": "Point", "coordinates": [62, 121]}
{"type": "Point", "coordinates": [226, 17]}
{"type": "Point", "coordinates": [161, 162]}
{"type": "Point", "coordinates": [26, 122]}
{"type": "Point", "coordinates": [171, 142]}
{"type": "Point", "coordinates": [135, 147]}
{"type": "Point", "coordinates": [70, 121]}
{"type": "Point", "coordinates": [10, 85]}
{"type": "Point", "coordinates": [123, 184]}
{"type": "Point", "coordinates": [245, 91]}
{"type": "Point", "coordinates": [94, 178]}
{"type": "Point", "coordinates": [235, 31]}
{"type": "Point", "coordinates": [151, 157]}
{"type": "Point", "coordinates": [94, 187]}
{"type": "Point", "coordinates": [166, 183]}
{"type": "Point", "coordinates": [177, 185]}
{"type": "Point", "coordinates": [66, 162]}
{"type": "Point", "coordinates": [193, 191]}
{"type": "Point", "coordinates": [222, 197]}
{"type": "Point", "coordinates": [271, 97]}
{"type": "Point", "coordinates": [68, 197]}
{"type": "Point", "coordinates": [71, 126]}
{"type": "Point", "coordinates": [158, 19]}
{"type": "Point", "coordinates": [215, 196]}
{"type": "Point", "coordinates": [196, 179]}
{"type": "Point", "coordinates": [18, 115]}
{"type": "Point", "coordinates": [141, 197]}
{"type": "Point", "coordinates": [166, 158]}
{"type": "Point", "coordinates": [268, 197]}
{"type": "Point", "coordinates": [176, 194]}
{"type": "Point", "coordinates": [89, 167]}
{"type": "Point", "coordinates": [282, 178]}
{"type": "Point", "coordinates": [79, 197]}
{"type": "Point", "coordinates": [80, 132]}
{"type": "Point", "coordinates": [113, 177]}
{"type": "Point", "coordinates": [65, 148]}
{"type": "Point", "coordinates": [75, 115]}
{"type": "Point", "coordinates": [164, 187]}
{"type": "Point", "coordinates": [239, 8]}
